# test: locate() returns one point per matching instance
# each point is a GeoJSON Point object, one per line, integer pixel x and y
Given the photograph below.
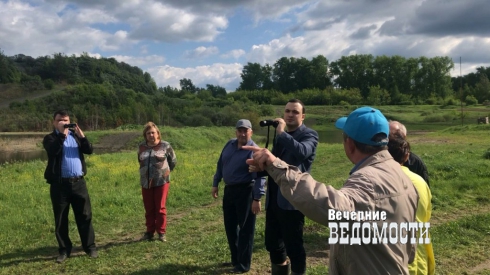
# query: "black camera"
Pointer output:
{"type": "Point", "coordinates": [71, 125]}
{"type": "Point", "coordinates": [268, 122]}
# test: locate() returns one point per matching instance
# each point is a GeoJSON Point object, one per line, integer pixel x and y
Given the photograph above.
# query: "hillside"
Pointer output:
{"type": "Point", "coordinates": [14, 93]}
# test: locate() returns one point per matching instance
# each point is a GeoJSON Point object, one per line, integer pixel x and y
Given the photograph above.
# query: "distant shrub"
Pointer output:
{"type": "Point", "coordinates": [451, 101]}
{"type": "Point", "coordinates": [266, 110]}
{"type": "Point", "coordinates": [198, 120]}
{"type": "Point", "coordinates": [434, 118]}
{"type": "Point", "coordinates": [433, 100]}
{"type": "Point", "coordinates": [486, 155]}
{"type": "Point", "coordinates": [48, 84]}
{"type": "Point", "coordinates": [471, 100]}
{"type": "Point", "coordinates": [486, 102]}
{"type": "Point", "coordinates": [448, 117]}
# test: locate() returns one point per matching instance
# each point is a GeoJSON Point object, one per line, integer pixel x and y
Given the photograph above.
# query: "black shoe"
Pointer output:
{"type": "Point", "coordinates": [61, 258]}
{"type": "Point", "coordinates": [147, 237]}
{"type": "Point", "coordinates": [227, 264]}
{"type": "Point", "coordinates": [93, 254]}
{"type": "Point", "coordinates": [236, 270]}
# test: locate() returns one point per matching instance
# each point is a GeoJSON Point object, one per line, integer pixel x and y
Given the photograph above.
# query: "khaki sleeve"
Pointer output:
{"type": "Point", "coordinates": [314, 199]}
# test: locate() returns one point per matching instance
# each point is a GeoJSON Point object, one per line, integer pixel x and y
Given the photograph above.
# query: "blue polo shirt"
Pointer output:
{"type": "Point", "coordinates": [71, 166]}
{"type": "Point", "coordinates": [231, 167]}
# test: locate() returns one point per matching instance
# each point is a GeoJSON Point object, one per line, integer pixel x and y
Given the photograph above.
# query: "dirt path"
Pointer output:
{"type": "Point", "coordinates": [32, 141]}
{"type": "Point", "coordinates": [483, 268]}
{"type": "Point", "coordinates": [116, 142]}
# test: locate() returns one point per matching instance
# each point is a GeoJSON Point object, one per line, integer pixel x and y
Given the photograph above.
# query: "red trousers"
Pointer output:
{"type": "Point", "coordinates": [154, 200]}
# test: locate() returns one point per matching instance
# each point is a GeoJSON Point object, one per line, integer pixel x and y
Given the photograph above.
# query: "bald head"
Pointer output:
{"type": "Point", "coordinates": [398, 128]}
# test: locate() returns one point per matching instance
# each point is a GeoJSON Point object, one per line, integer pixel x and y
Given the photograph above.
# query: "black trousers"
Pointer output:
{"type": "Point", "coordinates": [284, 236]}
{"type": "Point", "coordinates": [239, 223]}
{"type": "Point", "coordinates": [63, 194]}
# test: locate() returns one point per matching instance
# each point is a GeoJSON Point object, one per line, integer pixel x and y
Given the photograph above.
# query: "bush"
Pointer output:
{"type": "Point", "coordinates": [486, 155]}
{"type": "Point", "coordinates": [451, 101]}
{"type": "Point", "coordinates": [344, 103]}
{"type": "Point", "coordinates": [448, 117]}
{"type": "Point", "coordinates": [48, 84]}
{"type": "Point", "coordinates": [435, 118]}
{"type": "Point", "coordinates": [471, 100]}
{"type": "Point", "coordinates": [266, 110]}
{"type": "Point", "coordinates": [433, 100]}
{"type": "Point", "coordinates": [198, 120]}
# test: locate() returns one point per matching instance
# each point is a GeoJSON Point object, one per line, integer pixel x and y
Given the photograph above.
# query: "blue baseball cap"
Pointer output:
{"type": "Point", "coordinates": [363, 124]}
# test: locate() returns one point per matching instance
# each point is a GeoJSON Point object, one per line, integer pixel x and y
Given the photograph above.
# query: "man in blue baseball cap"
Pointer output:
{"type": "Point", "coordinates": [376, 184]}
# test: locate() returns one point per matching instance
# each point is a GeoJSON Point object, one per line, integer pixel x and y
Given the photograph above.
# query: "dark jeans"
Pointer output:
{"type": "Point", "coordinates": [239, 223]}
{"type": "Point", "coordinates": [284, 236]}
{"type": "Point", "coordinates": [62, 195]}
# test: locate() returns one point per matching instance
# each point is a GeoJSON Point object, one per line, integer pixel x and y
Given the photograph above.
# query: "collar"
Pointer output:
{"type": "Point", "coordinates": [357, 165]}
{"type": "Point", "coordinates": [249, 143]}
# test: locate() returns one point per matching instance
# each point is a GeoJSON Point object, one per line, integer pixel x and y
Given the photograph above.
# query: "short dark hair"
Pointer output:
{"type": "Point", "coordinates": [62, 113]}
{"type": "Point", "coordinates": [369, 149]}
{"type": "Point", "coordinates": [295, 100]}
{"type": "Point", "coordinates": [399, 148]}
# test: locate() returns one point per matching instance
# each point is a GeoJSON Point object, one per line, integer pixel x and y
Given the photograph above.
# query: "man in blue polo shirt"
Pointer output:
{"type": "Point", "coordinates": [65, 173]}
{"type": "Point", "coordinates": [241, 199]}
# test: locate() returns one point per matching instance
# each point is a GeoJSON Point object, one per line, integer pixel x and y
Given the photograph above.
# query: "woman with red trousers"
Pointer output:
{"type": "Point", "coordinates": [157, 159]}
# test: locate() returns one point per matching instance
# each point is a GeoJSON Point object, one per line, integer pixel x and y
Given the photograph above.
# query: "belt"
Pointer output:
{"type": "Point", "coordinates": [243, 184]}
{"type": "Point", "coordinates": [72, 179]}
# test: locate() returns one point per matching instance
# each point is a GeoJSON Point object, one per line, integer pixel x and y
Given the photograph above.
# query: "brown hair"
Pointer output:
{"type": "Point", "coordinates": [147, 128]}
{"type": "Point", "coordinates": [399, 148]}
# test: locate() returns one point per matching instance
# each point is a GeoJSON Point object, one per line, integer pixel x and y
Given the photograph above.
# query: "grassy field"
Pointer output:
{"type": "Point", "coordinates": [458, 159]}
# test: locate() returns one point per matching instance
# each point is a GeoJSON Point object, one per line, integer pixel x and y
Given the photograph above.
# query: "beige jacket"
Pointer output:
{"type": "Point", "coordinates": [379, 184]}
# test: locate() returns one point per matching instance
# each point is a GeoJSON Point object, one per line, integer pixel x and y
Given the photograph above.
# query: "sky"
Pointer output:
{"type": "Point", "coordinates": [209, 41]}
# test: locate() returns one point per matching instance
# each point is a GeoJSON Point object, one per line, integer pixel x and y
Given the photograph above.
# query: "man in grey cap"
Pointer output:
{"type": "Point", "coordinates": [241, 199]}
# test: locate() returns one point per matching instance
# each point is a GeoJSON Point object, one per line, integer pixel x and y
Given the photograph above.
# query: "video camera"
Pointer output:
{"type": "Point", "coordinates": [268, 122]}
{"type": "Point", "coordinates": [71, 125]}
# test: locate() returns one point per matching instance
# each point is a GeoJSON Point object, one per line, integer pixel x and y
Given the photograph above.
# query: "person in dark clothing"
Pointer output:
{"type": "Point", "coordinates": [296, 144]}
{"type": "Point", "coordinates": [65, 172]}
{"type": "Point", "coordinates": [241, 199]}
{"type": "Point", "coordinates": [414, 162]}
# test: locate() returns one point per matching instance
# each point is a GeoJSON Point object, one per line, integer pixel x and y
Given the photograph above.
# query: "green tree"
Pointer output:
{"type": "Point", "coordinates": [378, 96]}
{"type": "Point", "coordinates": [354, 71]}
{"type": "Point", "coordinates": [482, 88]}
{"type": "Point", "coordinates": [284, 73]}
{"type": "Point", "coordinates": [187, 85]}
{"type": "Point", "coordinates": [8, 72]}
{"type": "Point", "coordinates": [256, 77]}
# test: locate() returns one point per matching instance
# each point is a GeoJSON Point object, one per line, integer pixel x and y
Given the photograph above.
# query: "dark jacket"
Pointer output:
{"type": "Point", "coordinates": [53, 144]}
{"type": "Point", "coordinates": [298, 149]}
{"type": "Point", "coordinates": [416, 165]}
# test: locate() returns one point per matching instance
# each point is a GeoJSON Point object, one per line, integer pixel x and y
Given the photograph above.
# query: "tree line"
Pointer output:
{"type": "Point", "coordinates": [103, 93]}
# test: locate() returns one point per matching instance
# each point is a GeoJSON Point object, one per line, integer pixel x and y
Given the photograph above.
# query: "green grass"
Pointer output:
{"type": "Point", "coordinates": [197, 243]}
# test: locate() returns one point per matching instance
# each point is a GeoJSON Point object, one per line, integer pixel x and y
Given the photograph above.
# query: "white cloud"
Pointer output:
{"type": "Point", "coordinates": [41, 31]}
{"type": "Point", "coordinates": [143, 61]}
{"type": "Point", "coordinates": [224, 75]}
{"type": "Point", "coordinates": [235, 54]}
{"type": "Point", "coordinates": [201, 52]}
{"type": "Point", "coordinates": [141, 32]}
